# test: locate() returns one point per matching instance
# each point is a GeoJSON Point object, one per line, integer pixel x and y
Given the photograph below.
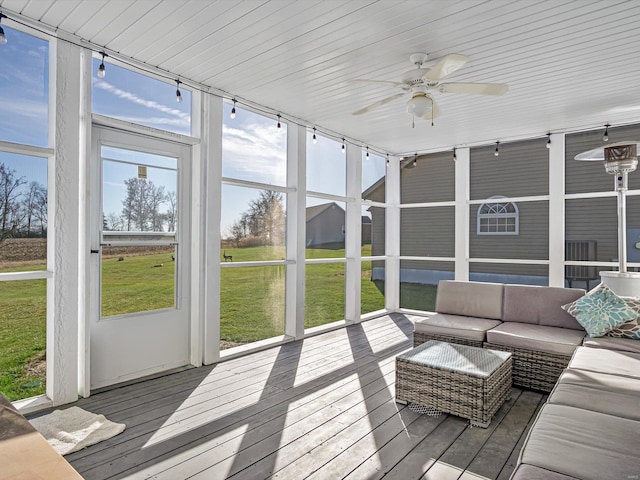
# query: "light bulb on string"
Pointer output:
{"type": "Point", "coordinates": [497, 151]}
{"type": "Point", "coordinates": [178, 94]}
{"type": "Point", "coordinates": [605, 137]}
{"type": "Point", "coordinates": [415, 160]}
{"type": "Point", "coordinates": [279, 126]}
{"type": "Point", "coordinates": [387, 159]}
{"type": "Point", "coordinates": [102, 71]}
{"type": "Point", "coordinates": [343, 145]}
{"type": "Point", "coordinates": [3, 39]}
{"type": "Point", "coordinates": [367, 153]}
{"type": "Point", "coordinates": [549, 140]}
{"type": "Point", "coordinates": [315, 139]}
{"type": "Point", "coordinates": [455, 157]}
{"type": "Point", "coordinates": [233, 110]}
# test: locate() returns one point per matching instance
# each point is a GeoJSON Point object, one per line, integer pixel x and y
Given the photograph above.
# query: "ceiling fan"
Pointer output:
{"type": "Point", "coordinates": [419, 82]}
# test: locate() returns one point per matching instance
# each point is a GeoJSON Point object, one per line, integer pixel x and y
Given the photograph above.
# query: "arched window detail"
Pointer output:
{"type": "Point", "coordinates": [498, 218]}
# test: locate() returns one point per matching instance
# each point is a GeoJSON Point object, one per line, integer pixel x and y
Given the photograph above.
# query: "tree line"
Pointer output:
{"type": "Point", "coordinates": [263, 223]}
{"type": "Point", "coordinates": [146, 208]}
{"type": "Point", "coordinates": [23, 206]}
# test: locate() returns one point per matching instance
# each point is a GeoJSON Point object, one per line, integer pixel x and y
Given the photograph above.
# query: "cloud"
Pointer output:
{"type": "Point", "coordinates": [255, 152]}
{"type": "Point", "coordinates": [182, 118]}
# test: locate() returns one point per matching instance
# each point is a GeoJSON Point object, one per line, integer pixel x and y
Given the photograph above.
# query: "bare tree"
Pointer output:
{"type": "Point", "coordinates": [10, 211]}
{"type": "Point", "coordinates": [34, 194]}
{"type": "Point", "coordinates": [41, 210]}
{"type": "Point", "coordinates": [266, 217]}
{"type": "Point", "coordinates": [113, 222]}
{"type": "Point", "coordinates": [237, 232]}
{"type": "Point", "coordinates": [141, 206]}
{"type": "Point", "coordinates": [172, 212]}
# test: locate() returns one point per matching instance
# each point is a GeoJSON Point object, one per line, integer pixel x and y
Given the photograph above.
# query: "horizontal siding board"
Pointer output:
{"type": "Point", "coordinates": [426, 265]}
{"type": "Point", "coordinates": [427, 232]}
{"type": "Point", "coordinates": [431, 180]}
{"type": "Point", "coordinates": [506, 269]}
{"type": "Point", "coordinates": [521, 169]}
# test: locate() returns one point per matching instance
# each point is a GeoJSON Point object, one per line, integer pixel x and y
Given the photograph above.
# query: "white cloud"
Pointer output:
{"type": "Point", "coordinates": [179, 116]}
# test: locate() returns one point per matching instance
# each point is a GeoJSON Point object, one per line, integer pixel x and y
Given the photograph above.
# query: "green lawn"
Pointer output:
{"type": "Point", "coordinates": [252, 304]}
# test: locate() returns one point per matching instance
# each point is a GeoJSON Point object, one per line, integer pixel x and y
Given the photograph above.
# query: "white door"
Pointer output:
{"type": "Point", "coordinates": [139, 321]}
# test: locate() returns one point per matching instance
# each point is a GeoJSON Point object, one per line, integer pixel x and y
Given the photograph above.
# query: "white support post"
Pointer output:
{"type": "Point", "coordinates": [392, 237]}
{"type": "Point", "coordinates": [86, 280]}
{"type": "Point", "coordinates": [64, 228]}
{"type": "Point", "coordinates": [556, 210]}
{"type": "Point", "coordinates": [462, 187]}
{"type": "Point", "coordinates": [296, 230]}
{"type": "Point", "coordinates": [211, 160]}
{"type": "Point", "coordinates": [353, 237]}
{"type": "Point", "coordinates": [197, 257]}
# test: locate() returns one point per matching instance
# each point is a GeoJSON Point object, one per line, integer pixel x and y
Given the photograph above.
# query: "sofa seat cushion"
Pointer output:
{"type": "Point", "coordinates": [562, 341]}
{"type": "Point", "coordinates": [540, 305]}
{"type": "Point", "coordinates": [612, 362]}
{"type": "Point", "coordinates": [599, 392]}
{"type": "Point", "coordinates": [471, 328]}
{"type": "Point", "coordinates": [529, 472]}
{"type": "Point", "coordinates": [613, 343]}
{"type": "Point", "coordinates": [583, 444]}
{"type": "Point", "coordinates": [471, 299]}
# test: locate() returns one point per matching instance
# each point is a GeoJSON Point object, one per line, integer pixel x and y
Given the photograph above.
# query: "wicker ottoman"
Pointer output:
{"type": "Point", "coordinates": [466, 381]}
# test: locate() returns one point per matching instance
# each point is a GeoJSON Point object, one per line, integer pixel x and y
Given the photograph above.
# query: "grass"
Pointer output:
{"type": "Point", "coordinates": [252, 303]}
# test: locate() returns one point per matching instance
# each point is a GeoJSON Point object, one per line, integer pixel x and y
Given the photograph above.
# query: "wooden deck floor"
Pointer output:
{"type": "Point", "coordinates": [322, 408]}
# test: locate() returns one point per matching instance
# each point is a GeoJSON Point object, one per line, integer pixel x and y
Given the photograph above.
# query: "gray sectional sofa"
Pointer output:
{"type": "Point", "coordinates": [590, 425]}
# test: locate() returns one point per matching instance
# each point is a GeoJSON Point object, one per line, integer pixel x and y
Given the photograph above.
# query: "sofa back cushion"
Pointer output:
{"type": "Point", "coordinates": [471, 299]}
{"type": "Point", "coordinates": [540, 305]}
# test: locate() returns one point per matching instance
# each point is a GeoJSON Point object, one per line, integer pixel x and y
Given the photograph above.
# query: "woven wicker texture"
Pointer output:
{"type": "Point", "coordinates": [424, 377]}
{"type": "Point", "coordinates": [419, 338]}
{"type": "Point", "coordinates": [533, 369]}
{"type": "Point", "coordinates": [471, 361]}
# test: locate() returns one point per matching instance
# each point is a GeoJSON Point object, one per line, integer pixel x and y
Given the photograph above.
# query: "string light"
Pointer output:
{"type": "Point", "coordinates": [415, 160]}
{"type": "Point", "coordinates": [497, 152]}
{"type": "Point", "coordinates": [279, 126]}
{"type": "Point", "coordinates": [605, 137]}
{"type": "Point", "coordinates": [343, 145]}
{"type": "Point", "coordinates": [178, 94]}
{"type": "Point", "coordinates": [549, 140]}
{"type": "Point", "coordinates": [233, 110]}
{"type": "Point", "coordinates": [387, 159]}
{"type": "Point", "coordinates": [315, 140]}
{"type": "Point", "coordinates": [102, 71]}
{"type": "Point", "coordinates": [367, 153]}
{"type": "Point", "coordinates": [3, 39]}
{"type": "Point", "coordinates": [455, 157]}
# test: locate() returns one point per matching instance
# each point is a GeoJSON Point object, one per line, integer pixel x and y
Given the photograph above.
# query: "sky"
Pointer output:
{"type": "Point", "coordinates": [254, 148]}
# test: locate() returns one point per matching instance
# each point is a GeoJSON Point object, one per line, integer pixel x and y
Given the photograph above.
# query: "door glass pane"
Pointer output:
{"type": "Point", "coordinates": [137, 279]}
{"type": "Point", "coordinates": [138, 191]}
{"type": "Point", "coordinates": [138, 234]}
{"type": "Point", "coordinates": [23, 213]}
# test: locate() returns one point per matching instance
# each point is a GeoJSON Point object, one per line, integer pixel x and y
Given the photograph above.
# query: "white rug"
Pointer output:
{"type": "Point", "coordinates": [73, 429]}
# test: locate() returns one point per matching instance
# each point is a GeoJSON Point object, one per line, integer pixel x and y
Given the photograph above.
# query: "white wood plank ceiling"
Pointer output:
{"type": "Point", "coordinates": [569, 64]}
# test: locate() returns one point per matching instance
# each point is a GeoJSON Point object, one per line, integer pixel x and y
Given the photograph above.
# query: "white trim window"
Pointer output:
{"type": "Point", "coordinates": [498, 218]}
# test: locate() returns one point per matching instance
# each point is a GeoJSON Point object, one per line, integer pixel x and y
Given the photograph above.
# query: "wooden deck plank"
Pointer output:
{"type": "Point", "coordinates": [319, 408]}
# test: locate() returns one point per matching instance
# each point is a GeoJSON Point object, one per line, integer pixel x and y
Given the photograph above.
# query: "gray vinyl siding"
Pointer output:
{"type": "Point", "coordinates": [531, 243]}
{"type": "Point", "coordinates": [377, 231]}
{"type": "Point", "coordinates": [596, 219]}
{"type": "Point", "coordinates": [427, 232]}
{"type": "Point", "coordinates": [583, 177]}
{"type": "Point", "coordinates": [326, 227]}
{"type": "Point", "coordinates": [427, 265]}
{"type": "Point", "coordinates": [521, 169]}
{"type": "Point", "coordinates": [431, 180]}
{"type": "Point", "coordinates": [506, 269]}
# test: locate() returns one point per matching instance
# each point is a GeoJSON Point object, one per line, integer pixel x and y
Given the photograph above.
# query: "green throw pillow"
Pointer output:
{"type": "Point", "coordinates": [600, 311]}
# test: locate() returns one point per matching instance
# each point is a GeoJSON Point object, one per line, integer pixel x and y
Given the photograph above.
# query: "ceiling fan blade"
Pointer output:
{"type": "Point", "coordinates": [446, 66]}
{"type": "Point", "coordinates": [436, 110]}
{"type": "Point", "coordinates": [377, 104]}
{"type": "Point", "coordinates": [384, 82]}
{"type": "Point", "coordinates": [475, 88]}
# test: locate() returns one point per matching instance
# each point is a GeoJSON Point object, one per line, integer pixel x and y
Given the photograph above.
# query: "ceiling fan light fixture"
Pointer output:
{"type": "Point", "coordinates": [419, 105]}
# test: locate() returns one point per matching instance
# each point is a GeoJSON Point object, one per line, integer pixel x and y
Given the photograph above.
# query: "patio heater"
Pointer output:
{"type": "Point", "coordinates": [619, 159]}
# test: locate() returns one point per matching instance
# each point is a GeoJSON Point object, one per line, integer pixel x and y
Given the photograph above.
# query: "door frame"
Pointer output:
{"type": "Point", "coordinates": [152, 143]}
